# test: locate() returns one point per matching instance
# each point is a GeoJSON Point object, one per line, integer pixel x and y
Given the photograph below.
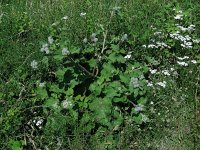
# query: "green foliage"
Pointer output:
{"type": "Point", "coordinates": [112, 75]}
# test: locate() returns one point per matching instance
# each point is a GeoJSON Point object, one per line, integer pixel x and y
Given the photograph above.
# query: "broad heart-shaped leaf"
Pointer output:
{"type": "Point", "coordinates": [102, 110]}
{"type": "Point", "coordinates": [52, 103]}
{"type": "Point", "coordinates": [138, 119]}
{"type": "Point", "coordinates": [58, 57]}
{"type": "Point", "coordinates": [87, 123]}
{"type": "Point", "coordinates": [60, 73]}
{"type": "Point", "coordinates": [74, 50]}
{"type": "Point", "coordinates": [114, 57]}
{"type": "Point", "coordinates": [118, 119]}
{"type": "Point", "coordinates": [112, 89]}
{"type": "Point", "coordinates": [92, 62]}
{"type": "Point", "coordinates": [96, 88]}
{"type": "Point", "coordinates": [55, 88]}
{"type": "Point", "coordinates": [41, 92]}
{"type": "Point", "coordinates": [107, 71]}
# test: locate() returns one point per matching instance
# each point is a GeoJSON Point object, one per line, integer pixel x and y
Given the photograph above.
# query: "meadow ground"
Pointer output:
{"type": "Point", "coordinates": [168, 118]}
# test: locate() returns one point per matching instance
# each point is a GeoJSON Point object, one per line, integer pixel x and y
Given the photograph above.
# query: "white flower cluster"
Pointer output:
{"type": "Point", "coordinates": [65, 18]}
{"type": "Point", "coordinates": [34, 64]}
{"type": "Point", "coordinates": [181, 61]}
{"type": "Point", "coordinates": [65, 51]}
{"type": "Point", "coordinates": [128, 56]}
{"type": "Point", "coordinates": [45, 48]}
{"type": "Point", "coordinates": [82, 14]}
{"type": "Point", "coordinates": [160, 45]}
{"type": "Point", "coordinates": [186, 41]}
{"type": "Point", "coordinates": [179, 15]}
{"type": "Point", "coordinates": [162, 84]}
{"type": "Point", "coordinates": [67, 104]}
{"type": "Point", "coordinates": [94, 38]}
{"type": "Point", "coordinates": [139, 108]}
{"type": "Point", "coordinates": [124, 38]}
{"type": "Point", "coordinates": [135, 82]}
{"type": "Point", "coordinates": [38, 123]}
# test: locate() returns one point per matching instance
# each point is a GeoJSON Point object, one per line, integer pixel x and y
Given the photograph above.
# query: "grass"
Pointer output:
{"type": "Point", "coordinates": [25, 25]}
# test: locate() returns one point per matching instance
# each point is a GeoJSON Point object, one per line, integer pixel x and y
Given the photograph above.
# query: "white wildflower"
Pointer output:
{"type": "Point", "coordinates": [39, 122]}
{"type": "Point", "coordinates": [45, 48]}
{"type": "Point", "coordinates": [128, 56]}
{"type": "Point", "coordinates": [124, 38]}
{"type": "Point", "coordinates": [82, 14]}
{"type": "Point", "coordinates": [93, 35]}
{"type": "Point", "coordinates": [172, 69]}
{"type": "Point", "coordinates": [65, 51]}
{"type": "Point", "coordinates": [85, 40]}
{"type": "Point", "coordinates": [193, 61]}
{"type": "Point", "coordinates": [42, 84]}
{"type": "Point", "coordinates": [144, 118]}
{"type": "Point", "coordinates": [163, 84]}
{"type": "Point", "coordinates": [153, 71]}
{"type": "Point", "coordinates": [144, 46]}
{"type": "Point", "coordinates": [196, 41]}
{"type": "Point", "coordinates": [134, 82]}
{"type": "Point", "coordinates": [151, 102]}
{"type": "Point", "coordinates": [139, 107]}
{"type": "Point", "coordinates": [65, 17]}
{"type": "Point", "coordinates": [183, 58]}
{"type": "Point", "coordinates": [34, 64]}
{"type": "Point", "coordinates": [178, 17]}
{"type": "Point", "coordinates": [150, 84]}
{"type": "Point", "coordinates": [50, 40]}
{"type": "Point", "coordinates": [182, 63]}
{"type": "Point", "coordinates": [66, 104]}
{"type": "Point", "coordinates": [166, 72]}
{"type": "Point", "coordinates": [95, 40]}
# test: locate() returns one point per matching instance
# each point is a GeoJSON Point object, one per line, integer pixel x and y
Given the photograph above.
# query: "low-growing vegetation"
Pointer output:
{"type": "Point", "coordinates": [100, 75]}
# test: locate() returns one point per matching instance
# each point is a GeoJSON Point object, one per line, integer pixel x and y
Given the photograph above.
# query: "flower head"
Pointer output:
{"type": "Point", "coordinates": [50, 40]}
{"type": "Point", "coordinates": [82, 14]}
{"type": "Point", "coordinates": [65, 51]}
{"type": "Point", "coordinates": [34, 64]}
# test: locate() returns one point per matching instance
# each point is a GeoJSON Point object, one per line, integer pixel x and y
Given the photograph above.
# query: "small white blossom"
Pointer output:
{"type": "Point", "coordinates": [39, 122]}
{"type": "Point", "coordinates": [65, 51]}
{"type": "Point", "coordinates": [163, 84]}
{"type": "Point", "coordinates": [85, 40]}
{"type": "Point", "coordinates": [42, 84]}
{"type": "Point", "coordinates": [34, 64]}
{"type": "Point", "coordinates": [178, 17]}
{"type": "Point", "coordinates": [50, 40]}
{"type": "Point", "coordinates": [196, 41]}
{"type": "Point", "coordinates": [183, 58]}
{"type": "Point", "coordinates": [193, 61]}
{"type": "Point", "coordinates": [151, 102]}
{"type": "Point", "coordinates": [93, 35]}
{"type": "Point", "coordinates": [134, 82]}
{"type": "Point", "coordinates": [182, 63]}
{"type": "Point", "coordinates": [153, 71]}
{"type": "Point", "coordinates": [139, 108]}
{"type": "Point", "coordinates": [172, 69]}
{"type": "Point", "coordinates": [144, 118]}
{"type": "Point", "coordinates": [144, 46]}
{"type": "Point", "coordinates": [166, 72]}
{"type": "Point", "coordinates": [150, 84]}
{"type": "Point", "coordinates": [65, 17]}
{"type": "Point", "coordinates": [124, 38]}
{"type": "Point", "coordinates": [82, 14]}
{"type": "Point", "coordinates": [45, 48]}
{"type": "Point", "coordinates": [95, 40]}
{"type": "Point", "coordinates": [66, 104]}
{"type": "Point", "coordinates": [127, 56]}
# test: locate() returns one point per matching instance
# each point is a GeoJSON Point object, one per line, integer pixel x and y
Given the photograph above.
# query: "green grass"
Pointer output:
{"type": "Point", "coordinates": [25, 25]}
